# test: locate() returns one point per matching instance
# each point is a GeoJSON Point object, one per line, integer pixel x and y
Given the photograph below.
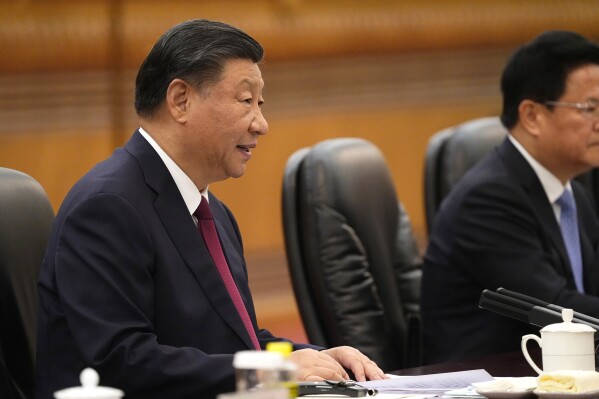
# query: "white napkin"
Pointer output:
{"type": "Point", "coordinates": [569, 381]}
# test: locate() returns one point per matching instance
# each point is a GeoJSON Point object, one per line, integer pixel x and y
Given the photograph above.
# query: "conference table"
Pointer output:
{"type": "Point", "coordinates": [512, 364]}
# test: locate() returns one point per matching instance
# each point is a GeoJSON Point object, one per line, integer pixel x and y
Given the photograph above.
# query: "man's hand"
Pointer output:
{"type": "Point", "coordinates": [330, 364]}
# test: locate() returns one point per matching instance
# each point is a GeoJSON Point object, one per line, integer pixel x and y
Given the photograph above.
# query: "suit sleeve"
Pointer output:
{"type": "Point", "coordinates": [500, 242]}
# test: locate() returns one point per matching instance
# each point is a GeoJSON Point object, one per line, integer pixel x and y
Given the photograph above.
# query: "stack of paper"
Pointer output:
{"type": "Point", "coordinates": [436, 384]}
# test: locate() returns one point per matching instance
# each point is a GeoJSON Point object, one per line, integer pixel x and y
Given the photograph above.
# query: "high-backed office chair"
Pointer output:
{"type": "Point", "coordinates": [353, 261]}
{"type": "Point", "coordinates": [451, 153]}
{"type": "Point", "coordinates": [26, 217]}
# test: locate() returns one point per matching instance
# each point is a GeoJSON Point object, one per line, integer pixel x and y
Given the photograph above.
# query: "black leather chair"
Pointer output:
{"type": "Point", "coordinates": [451, 153]}
{"type": "Point", "coordinates": [353, 261]}
{"type": "Point", "coordinates": [26, 217]}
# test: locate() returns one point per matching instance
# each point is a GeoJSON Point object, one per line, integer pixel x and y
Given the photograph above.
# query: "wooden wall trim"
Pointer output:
{"type": "Point", "coordinates": [38, 35]}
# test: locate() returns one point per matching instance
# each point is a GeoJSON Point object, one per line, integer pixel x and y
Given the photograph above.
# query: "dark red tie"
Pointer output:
{"type": "Point", "coordinates": [208, 230]}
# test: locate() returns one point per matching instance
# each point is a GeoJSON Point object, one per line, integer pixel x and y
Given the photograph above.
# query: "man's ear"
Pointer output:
{"type": "Point", "coordinates": [177, 99]}
{"type": "Point", "coordinates": [531, 116]}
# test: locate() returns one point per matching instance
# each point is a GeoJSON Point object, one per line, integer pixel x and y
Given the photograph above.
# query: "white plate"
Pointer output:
{"type": "Point", "coordinates": [505, 394]}
{"type": "Point", "coordinates": [562, 395]}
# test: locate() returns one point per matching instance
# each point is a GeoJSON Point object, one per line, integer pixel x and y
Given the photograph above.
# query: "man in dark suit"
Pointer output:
{"type": "Point", "coordinates": [500, 226]}
{"type": "Point", "coordinates": [128, 285]}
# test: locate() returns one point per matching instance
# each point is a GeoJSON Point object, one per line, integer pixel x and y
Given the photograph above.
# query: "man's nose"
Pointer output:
{"type": "Point", "coordinates": [259, 124]}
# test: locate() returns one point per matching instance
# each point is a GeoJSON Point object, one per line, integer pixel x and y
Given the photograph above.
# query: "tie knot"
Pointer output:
{"type": "Point", "coordinates": [566, 201]}
{"type": "Point", "coordinates": [203, 212]}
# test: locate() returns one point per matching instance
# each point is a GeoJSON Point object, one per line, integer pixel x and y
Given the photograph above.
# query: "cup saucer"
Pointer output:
{"type": "Point", "coordinates": [562, 395]}
{"type": "Point", "coordinates": [506, 394]}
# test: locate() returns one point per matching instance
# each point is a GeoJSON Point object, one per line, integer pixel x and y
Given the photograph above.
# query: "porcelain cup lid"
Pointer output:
{"type": "Point", "coordinates": [567, 325]}
{"type": "Point", "coordinates": [89, 388]}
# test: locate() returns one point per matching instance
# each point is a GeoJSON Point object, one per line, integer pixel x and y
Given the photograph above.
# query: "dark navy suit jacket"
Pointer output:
{"type": "Point", "coordinates": [498, 229]}
{"type": "Point", "coordinates": [128, 287]}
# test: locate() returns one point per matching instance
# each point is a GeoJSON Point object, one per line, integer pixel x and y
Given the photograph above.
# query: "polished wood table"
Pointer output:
{"type": "Point", "coordinates": [511, 364]}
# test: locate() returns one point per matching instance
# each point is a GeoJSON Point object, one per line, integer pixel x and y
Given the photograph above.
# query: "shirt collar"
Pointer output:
{"type": "Point", "coordinates": [189, 191]}
{"type": "Point", "coordinates": [552, 185]}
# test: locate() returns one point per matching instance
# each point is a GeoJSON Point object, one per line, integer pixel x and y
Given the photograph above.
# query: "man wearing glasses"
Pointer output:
{"type": "Point", "coordinates": [517, 220]}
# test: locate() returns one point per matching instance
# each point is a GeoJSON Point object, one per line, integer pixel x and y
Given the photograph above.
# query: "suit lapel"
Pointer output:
{"type": "Point", "coordinates": [227, 235]}
{"type": "Point", "coordinates": [179, 226]}
{"type": "Point", "coordinates": [525, 175]}
{"type": "Point", "coordinates": [550, 225]}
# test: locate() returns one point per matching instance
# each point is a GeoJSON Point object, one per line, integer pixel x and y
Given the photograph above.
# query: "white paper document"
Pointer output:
{"type": "Point", "coordinates": [429, 383]}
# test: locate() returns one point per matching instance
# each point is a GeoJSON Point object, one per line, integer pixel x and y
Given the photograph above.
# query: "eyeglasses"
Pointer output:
{"type": "Point", "coordinates": [590, 108]}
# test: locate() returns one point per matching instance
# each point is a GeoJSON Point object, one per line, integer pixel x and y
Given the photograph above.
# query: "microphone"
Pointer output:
{"type": "Point", "coordinates": [551, 306]}
{"type": "Point", "coordinates": [528, 309]}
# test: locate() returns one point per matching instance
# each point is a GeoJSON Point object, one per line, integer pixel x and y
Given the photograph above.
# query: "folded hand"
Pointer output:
{"type": "Point", "coordinates": [330, 364]}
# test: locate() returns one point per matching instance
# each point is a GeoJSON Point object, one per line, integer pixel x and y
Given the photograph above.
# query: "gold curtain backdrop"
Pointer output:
{"type": "Point", "coordinates": [392, 72]}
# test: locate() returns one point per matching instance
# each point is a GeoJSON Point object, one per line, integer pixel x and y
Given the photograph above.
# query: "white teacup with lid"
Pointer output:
{"type": "Point", "coordinates": [89, 388]}
{"type": "Point", "coordinates": [565, 346]}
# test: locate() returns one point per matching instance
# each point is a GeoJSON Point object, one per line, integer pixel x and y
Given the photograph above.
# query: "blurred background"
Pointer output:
{"type": "Point", "coordinates": [392, 72]}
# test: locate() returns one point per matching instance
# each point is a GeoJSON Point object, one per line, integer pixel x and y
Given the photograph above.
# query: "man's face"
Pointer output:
{"type": "Point", "coordinates": [225, 122]}
{"type": "Point", "coordinates": [570, 139]}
